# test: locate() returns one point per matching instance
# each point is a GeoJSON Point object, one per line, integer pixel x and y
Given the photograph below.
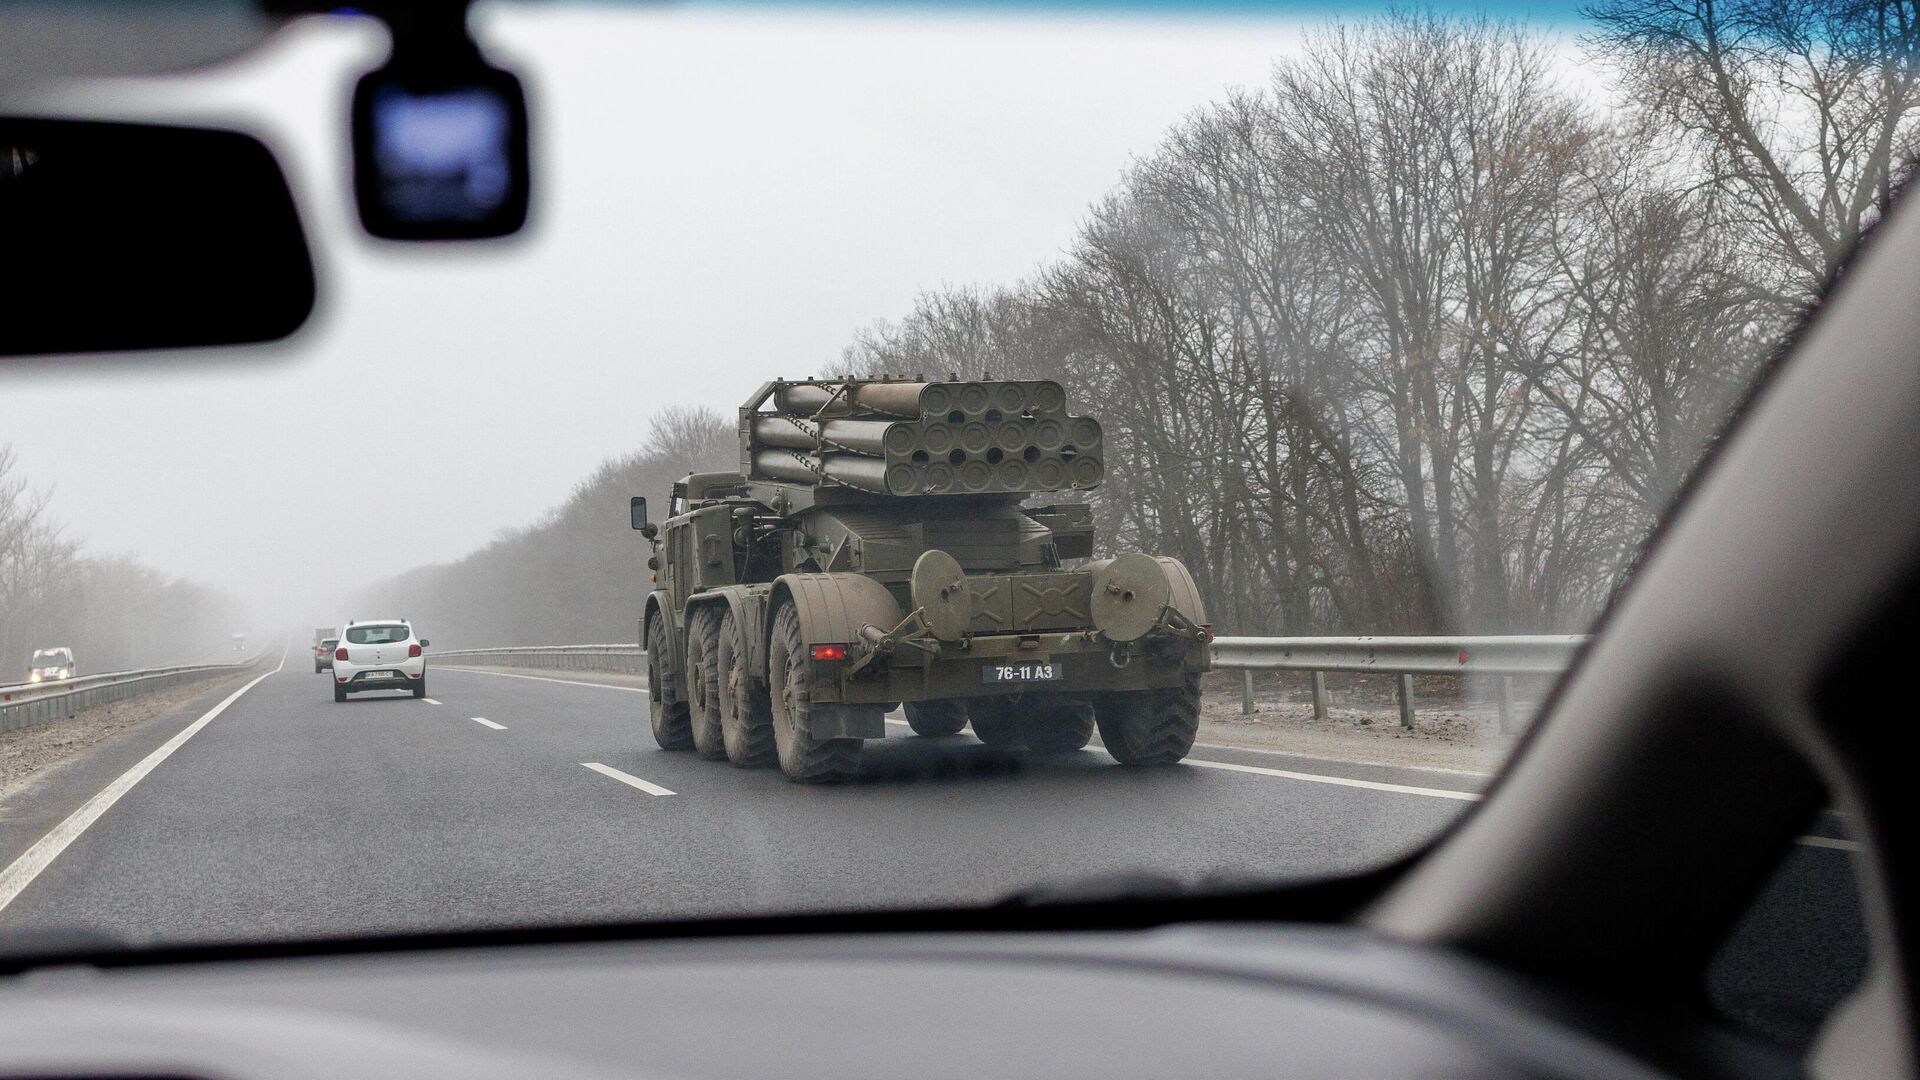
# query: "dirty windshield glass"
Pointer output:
{"type": "Point", "coordinates": [1085, 447]}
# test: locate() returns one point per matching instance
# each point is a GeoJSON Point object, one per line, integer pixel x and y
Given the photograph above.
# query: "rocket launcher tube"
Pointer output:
{"type": "Point", "coordinates": [876, 438]}
{"type": "Point", "coordinates": [895, 399]}
{"type": "Point", "coordinates": [851, 470]}
{"type": "Point", "coordinates": [921, 400]}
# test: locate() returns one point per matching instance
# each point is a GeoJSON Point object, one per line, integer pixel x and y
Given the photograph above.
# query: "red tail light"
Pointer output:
{"type": "Point", "coordinates": [829, 652]}
{"type": "Point", "coordinates": [413, 649]}
{"type": "Point", "coordinates": [340, 653]}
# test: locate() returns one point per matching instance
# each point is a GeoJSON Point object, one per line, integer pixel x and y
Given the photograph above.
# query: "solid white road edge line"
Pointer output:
{"type": "Point", "coordinates": [484, 722]}
{"type": "Point", "coordinates": [627, 779]}
{"type": "Point", "coordinates": [28, 866]}
{"type": "Point", "coordinates": [1405, 789]}
{"type": "Point", "coordinates": [1830, 842]}
{"type": "Point", "coordinates": [1342, 781]}
{"type": "Point", "coordinates": [543, 678]}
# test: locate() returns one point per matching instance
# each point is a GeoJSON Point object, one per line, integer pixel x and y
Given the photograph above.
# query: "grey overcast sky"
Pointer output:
{"type": "Point", "coordinates": [724, 196]}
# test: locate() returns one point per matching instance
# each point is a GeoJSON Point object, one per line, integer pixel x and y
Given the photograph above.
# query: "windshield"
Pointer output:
{"type": "Point", "coordinates": [1130, 444]}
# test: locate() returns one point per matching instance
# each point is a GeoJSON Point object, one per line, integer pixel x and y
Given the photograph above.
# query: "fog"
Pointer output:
{"type": "Point", "coordinates": [722, 197]}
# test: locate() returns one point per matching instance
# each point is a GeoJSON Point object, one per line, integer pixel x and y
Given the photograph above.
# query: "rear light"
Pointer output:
{"type": "Point", "coordinates": [340, 653]}
{"type": "Point", "coordinates": [413, 650]}
{"type": "Point", "coordinates": [829, 652]}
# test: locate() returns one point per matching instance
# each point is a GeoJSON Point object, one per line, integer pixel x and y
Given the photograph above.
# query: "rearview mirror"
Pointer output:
{"type": "Point", "coordinates": [141, 236]}
{"type": "Point", "coordinates": [637, 509]}
{"type": "Point", "coordinates": [424, 643]}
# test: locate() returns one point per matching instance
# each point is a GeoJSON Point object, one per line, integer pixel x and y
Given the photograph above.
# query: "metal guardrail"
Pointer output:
{"type": "Point", "coordinates": [628, 658]}
{"type": "Point", "coordinates": [24, 705]}
{"type": "Point", "coordinates": [1502, 657]}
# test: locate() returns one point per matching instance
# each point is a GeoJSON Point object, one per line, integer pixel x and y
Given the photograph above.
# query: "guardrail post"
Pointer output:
{"type": "Point", "coordinates": [1318, 679]}
{"type": "Point", "coordinates": [1246, 691]}
{"type": "Point", "coordinates": [1406, 702]}
{"type": "Point", "coordinates": [1505, 702]}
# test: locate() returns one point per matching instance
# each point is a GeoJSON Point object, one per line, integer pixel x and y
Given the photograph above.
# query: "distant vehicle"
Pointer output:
{"type": "Point", "coordinates": [323, 654]}
{"type": "Point", "coordinates": [324, 633]}
{"type": "Point", "coordinates": [379, 654]}
{"type": "Point", "coordinates": [50, 664]}
{"type": "Point", "coordinates": [875, 549]}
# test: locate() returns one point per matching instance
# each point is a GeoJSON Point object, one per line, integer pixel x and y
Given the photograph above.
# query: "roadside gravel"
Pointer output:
{"type": "Point", "coordinates": [27, 754]}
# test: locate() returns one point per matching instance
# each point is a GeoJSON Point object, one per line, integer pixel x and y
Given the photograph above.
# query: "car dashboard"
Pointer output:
{"type": "Point", "coordinates": [1193, 1000]}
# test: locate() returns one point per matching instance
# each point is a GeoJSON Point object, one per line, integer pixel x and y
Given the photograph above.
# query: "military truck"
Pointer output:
{"type": "Point", "coordinates": [883, 543]}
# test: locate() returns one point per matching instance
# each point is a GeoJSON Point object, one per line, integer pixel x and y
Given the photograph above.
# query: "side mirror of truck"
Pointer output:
{"type": "Point", "coordinates": [637, 510]}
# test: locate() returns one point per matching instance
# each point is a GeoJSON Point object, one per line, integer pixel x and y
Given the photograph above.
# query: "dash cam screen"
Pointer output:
{"type": "Point", "coordinates": [442, 156]}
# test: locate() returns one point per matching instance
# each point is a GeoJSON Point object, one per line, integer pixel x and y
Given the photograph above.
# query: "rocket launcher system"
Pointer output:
{"type": "Point", "coordinates": [902, 437]}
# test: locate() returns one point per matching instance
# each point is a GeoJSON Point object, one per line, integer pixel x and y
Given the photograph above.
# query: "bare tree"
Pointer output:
{"type": "Point", "coordinates": [1800, 111]}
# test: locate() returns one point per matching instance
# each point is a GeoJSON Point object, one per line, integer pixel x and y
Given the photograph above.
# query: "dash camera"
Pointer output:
{"type": "Point", "coordinates": [439, 140]}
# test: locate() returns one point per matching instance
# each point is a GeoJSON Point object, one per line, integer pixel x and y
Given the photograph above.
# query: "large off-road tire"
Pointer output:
{"type": "Point", "coordinates": [746, 713]}
{"type": "Point", "coordinates": [993, 720]}
{"type": "Point", "coordinates": [672, 727]}
{"type": "Point", "coordinates": [802, 757]}
{"type": "Point", "coordinates": [703, 683]}
{"type": "Point", "coordinates": [1056, 727]}
{"type": "Point", "coordinates": [1150, 727]}
{"type": "Point", "coordinates": [942, 716]}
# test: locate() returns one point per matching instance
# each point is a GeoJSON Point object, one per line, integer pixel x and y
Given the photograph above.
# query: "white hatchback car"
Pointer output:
{"type": "Point", "coordinates": [379, 654]}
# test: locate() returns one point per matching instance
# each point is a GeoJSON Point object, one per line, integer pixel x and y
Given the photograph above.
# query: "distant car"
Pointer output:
{"type": "Point", "coordinates": [323, 654]}
{"type": "Point", "coordinates": [50, 664]}
{"type": "Point", "coordinates": [379, 654]}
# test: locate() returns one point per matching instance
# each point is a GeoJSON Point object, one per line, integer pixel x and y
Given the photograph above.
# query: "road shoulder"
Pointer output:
{"type": "Point", "coordinates": [53, 769]}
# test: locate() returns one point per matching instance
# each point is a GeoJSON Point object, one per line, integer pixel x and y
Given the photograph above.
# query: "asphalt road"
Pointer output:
{"type": "Point", "coordinates": [288, 815]}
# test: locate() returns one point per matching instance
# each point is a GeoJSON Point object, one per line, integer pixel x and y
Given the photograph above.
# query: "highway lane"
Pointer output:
{"type": "Point", "coordinates": [290, 815]}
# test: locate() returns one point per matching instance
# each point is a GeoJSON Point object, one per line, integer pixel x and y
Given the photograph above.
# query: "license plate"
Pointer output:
{"type": "Point", "coordinates": [1024, 671]}
{"type": "Point", "coordinates": [379, 675]}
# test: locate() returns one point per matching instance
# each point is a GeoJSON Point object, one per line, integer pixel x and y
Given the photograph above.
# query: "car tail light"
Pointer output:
{"type": "Point", "coordinates": [829, 652]}
{"type": "Point", "coordinates": [340, 653]}
{"type": "Point", "coordinates": [413, 650]}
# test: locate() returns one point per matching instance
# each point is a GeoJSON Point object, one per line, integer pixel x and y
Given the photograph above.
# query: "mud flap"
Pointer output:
{"type": "Point", "coordinates": [834, 721]}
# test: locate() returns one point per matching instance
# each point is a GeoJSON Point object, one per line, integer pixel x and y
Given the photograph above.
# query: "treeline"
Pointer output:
{"type": "Point", "coordinates": [1414, 339]}
{"type": "Point", "coordinates": [579, 576]}
{"type": "Point", "coordinates": [115, 613]}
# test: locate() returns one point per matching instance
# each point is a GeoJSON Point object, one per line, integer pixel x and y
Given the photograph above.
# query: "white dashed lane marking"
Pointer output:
{"type": "Point", "coordinates": [430, 701]}
{"type": "Point", "coordinates": [484, 722]}
{"type": "Point", "coordinates": [626, 778]}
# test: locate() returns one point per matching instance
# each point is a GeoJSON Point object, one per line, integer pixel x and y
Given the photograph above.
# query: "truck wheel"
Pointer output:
{"type": "Point", "coordinates": [1057, 727]}
{"type": "Point", "coordinates": [802, 757]}
{"type": "Point", "coordinates": [993, 721]}
{"type": "Point", "coordinates": [672, 727]}
{"type": "Point", "coordinates": [1150, 727]}
{"type": "Point", "coordinates": [703, 684]}
{"type": "Point", "coordinates": [746, 714]}
{"type": "Point", "coordinates": [945, 716]}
